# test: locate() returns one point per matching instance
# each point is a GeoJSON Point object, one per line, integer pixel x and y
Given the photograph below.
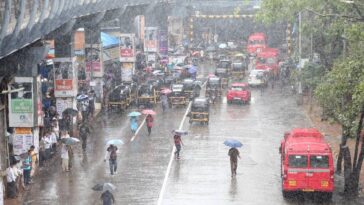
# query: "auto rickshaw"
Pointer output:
{"type": "Point", "coordinates": [200, 111]}
{"type": "Point", "coordinates": [213, 86]}
{"type": "Point", "coordinates": [223, 71]}
{"type": "Point", "coordinates": [239, 66]}
{"type": "Point", "coordinates": [177, 97]}
{"type": "Point", "coordinates": [146, 94]}
{"type": "Point", "coordinates": [191, 88]}
{"type": "Point", "coordinates": [122, 96]}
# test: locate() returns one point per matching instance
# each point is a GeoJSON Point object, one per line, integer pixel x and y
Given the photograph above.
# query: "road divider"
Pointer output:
{"type": "Point", "coordinates": [164, 185]}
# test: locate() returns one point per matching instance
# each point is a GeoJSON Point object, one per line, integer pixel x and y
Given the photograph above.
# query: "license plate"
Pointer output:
{"type": "Point", "coordinates": [292, 183]}
{"type": "Point", "coordinates": [236, 98]}
{"type": "Point", "coordinates": [308, 190]}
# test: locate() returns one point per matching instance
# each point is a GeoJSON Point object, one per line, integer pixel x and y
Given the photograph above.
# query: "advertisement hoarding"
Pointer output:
{"type": "Point", "coordinates": [127, 71]}
{"type": "Point", "coordinates": [151, 39]}
{"type": "Point", "coordinates": [23, 139]}
{"type": "Point", "coordinates": [175, 31]}
{"type": "Point", "coordinates": [62, 104]}
{"type": "Point", "coordinates": [21, 107]}
{"type": "Point", "coordinates": [65, 77]}
{"type": "Point", "coordinates": [127, 47]}
{"type": "Point", "coordinates": [94, 60]}
{"type": "Point", "coordinates": [139, 24]}
{"type": "Point", "coordinates": [163, 43]}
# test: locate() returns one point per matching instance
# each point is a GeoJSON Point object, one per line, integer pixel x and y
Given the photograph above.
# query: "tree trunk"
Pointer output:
{"type": "Point", "coordinates": [347, 170]}
{"type": "Point", "coordinates": [344, 139]}
{"type": "Point", "coordinates": [358, 136]}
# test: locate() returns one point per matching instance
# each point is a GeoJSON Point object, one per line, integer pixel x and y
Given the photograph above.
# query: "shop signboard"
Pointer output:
{"type": "Point", "coordinates": [127, 47]}
{"type": "Point", "coordinates": [127, 71]}
{"type": "Point", "coordinates": [163, 43]}
{"type": "Point", "coordinates": [94, 59]}
{"type": "Point", "coordinates": [23, 139]}
{"type": "Point", "coordinates": [151, 39]}
{"type": "Point", "coordinates": [21, 107]}
{"type": "Point", "coordinates": [65, 75]}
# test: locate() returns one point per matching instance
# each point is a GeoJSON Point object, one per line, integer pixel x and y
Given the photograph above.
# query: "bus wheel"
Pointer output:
{"type": "Point", "coordinates": [285, 194]}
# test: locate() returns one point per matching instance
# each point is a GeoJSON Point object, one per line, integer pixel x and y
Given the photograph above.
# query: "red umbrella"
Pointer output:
{"type": "Point", "coordinates": [211, 75]}
{"type": "Point", "coordinates": [166, 91]}
{"type": "Point", "coordinates": [148, 112]}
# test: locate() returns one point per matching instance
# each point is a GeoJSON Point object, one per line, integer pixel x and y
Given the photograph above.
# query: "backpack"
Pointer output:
{"type": "Point", "coordinates": [113, 154]}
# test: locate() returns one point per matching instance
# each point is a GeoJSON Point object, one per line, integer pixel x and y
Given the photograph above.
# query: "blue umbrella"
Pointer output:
{"type": "Point", "coordinates": [233, 143]}
{"type": "Point", "coordinates": [192, 70]}
{"type": "Point", "coordinates": [134, 114]}
{"type": "Point", "coordinates": [115, 142]}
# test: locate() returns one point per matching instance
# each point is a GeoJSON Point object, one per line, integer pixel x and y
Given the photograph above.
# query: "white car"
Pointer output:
{"type": "Point", "coordinates": [258, 78]}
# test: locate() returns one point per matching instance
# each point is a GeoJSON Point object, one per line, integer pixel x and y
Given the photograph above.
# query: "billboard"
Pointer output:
{"type": "Point", "coordinates": [22, 140]}
{"type": "Point", "coordinates": [21, 107]}
{"type": "Point", "coordinates": [65, 77]}
{"type": "Point", "coordinates": [151, 39]}
{"type": "Point", "coordinates": [127, 69]}
{"type": "Point", "coordinates": [93, 59]}
{"type": "Point", "coordinates": [175, 31]}
{"type": "Point", "coordinates": [127, 47]}
{"type": "Point", "coordinates": [163, 43]}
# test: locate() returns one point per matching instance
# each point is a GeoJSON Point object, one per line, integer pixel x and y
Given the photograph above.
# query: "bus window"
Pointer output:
{"type": "Point", "coordinates": [297, 161]}
{"type": "Point", "coordinates": [319, 161]}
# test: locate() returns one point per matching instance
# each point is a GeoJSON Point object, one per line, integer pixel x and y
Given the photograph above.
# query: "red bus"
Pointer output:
{"type": "Point", "coordinates": [306, 163]}
{"type": "Point", "coordinates": [267, 59]}
{"type": "Point", "coordinates": [256, 42]}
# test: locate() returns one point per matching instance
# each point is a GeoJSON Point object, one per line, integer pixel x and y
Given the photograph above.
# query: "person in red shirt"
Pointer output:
{"type": "Point", "coordinates": [178, 143]}
{"type": "Point", "coordinates": [149, 121]}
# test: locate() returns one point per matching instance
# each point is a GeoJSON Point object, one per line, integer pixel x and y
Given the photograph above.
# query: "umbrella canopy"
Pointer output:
{"type": "Point", "coordinates": [70, 111]}
{"type": "Point", "coordinates": [70, 140]}
{"type": "Point", "coordinates": [82, 97]}
{"type": "Point", "coordinates": [211, 75]}
{"type": "Point", "coordinates": [180, 132]}
{"type": "Point", "coordinates": [115, 142]}
{"type": "Point", "coordinates": [166, 91]}
{"type": "Point", "coordinates": [192, 69]}
{"type": "Point", "coordinates": [233, 143]}
{"type": "Point", "coordinates": [223, 45]}
{"type": "Point", "coordinates": [239, 55]}
{"type": "Point", "coordinates": [134, 114]}
{"type": "Point", "coordinates": [104, 187]}
{"type": "Point", "coordinates": [148, 112]}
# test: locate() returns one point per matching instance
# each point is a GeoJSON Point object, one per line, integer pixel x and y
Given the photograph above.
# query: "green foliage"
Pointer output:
{"type": "Point", "coordinates": [342, 90]}
{"type": "Point", "coordinates": [312, 74]}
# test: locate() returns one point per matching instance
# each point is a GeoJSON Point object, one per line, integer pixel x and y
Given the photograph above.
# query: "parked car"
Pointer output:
{"type": "Point", "coordinates": [238, 92]}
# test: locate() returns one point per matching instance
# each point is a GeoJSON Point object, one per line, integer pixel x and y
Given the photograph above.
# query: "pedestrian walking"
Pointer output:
{"type": "Point", "coordinates": [112, 156]}
{"type": "Point", "coordinates": [149, 121]}
{"type": "Point", "coordinates": [178, 143]}
{"type": "Point", "coordinates": [65, 158]}
{"type": "Point", "coordinates": [27, 168]}
{"type": "Point", "coordinates": [33, 155]}
{"type": "Point", "coordinates": [164, 100]}
{"type": "Point", "coordinates": [107, 198]}
{"type": "Point", "coordinates": [84, 133]}
{"type": "Point", "coordinates": [11, 181]}
{"type": "Point", "coordinates": [133, 124]}
{"type": "Point", "coordinates": [91, 108]}
{"type": "Point", "coordinates": [234, 154]}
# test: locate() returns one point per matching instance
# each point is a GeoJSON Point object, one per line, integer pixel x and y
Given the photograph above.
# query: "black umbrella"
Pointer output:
{"type": "Point", "coordinates": [70, 111]}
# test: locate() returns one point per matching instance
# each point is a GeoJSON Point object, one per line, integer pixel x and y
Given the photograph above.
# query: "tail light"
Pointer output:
{"type": "Point", "coordinates": [285, 174]}
{"type": "Point", "coordinates": [332, 173]}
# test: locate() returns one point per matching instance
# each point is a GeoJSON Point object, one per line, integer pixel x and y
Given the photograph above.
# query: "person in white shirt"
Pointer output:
{"type": "Point", "coordinates": [11, 179]}
{"type": "Point", "coordinates": [47, 146]}
{"type": "Point", "coordinates": [64, 134]}
{"type": "Point", "coordinates": [53, 138]}
{"type": "Point", "coordinates": [65, 157]}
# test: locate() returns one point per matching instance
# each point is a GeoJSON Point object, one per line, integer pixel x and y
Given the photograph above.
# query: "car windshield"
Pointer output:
{"type": "Point", "coordinates": [319, 161]}
{"type": "Point", "coordinates": [177, 87]}
{"type": "Point", "coordinates": [268, 61]}
{"type": "Point", "coordinates": [297, 161]}
{"type": "Point", "coordinates": [256, 72]}
{"type": "Point", "coordinates": [256, 42]}
{"type": "Point", "coordinates": [224, 64]}
{"type": "Point", "coordinates": [237, 88]}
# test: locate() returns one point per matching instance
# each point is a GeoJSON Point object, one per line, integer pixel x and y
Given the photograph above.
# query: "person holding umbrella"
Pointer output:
{"type": "Point", "coordinates": [107, 198]}
{"type": "Point", "coordinates": [149, 121]}
{"type": "Point", "coordinates": [178, 143]}
{"type": "Point", "coordinates": [112, 156]}
{"type": "Point", "coordinates": [234, 154]}
{"type": "Point", "coordinates": [134, 121]}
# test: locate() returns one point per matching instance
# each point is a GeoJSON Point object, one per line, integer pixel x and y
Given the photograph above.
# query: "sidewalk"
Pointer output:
{"type": "Point", "coordinates": [21, 193]}
{"type": "Point", "coordinates": [332, 131]}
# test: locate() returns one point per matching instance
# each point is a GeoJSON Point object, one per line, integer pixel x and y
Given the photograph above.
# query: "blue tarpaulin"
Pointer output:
{"type": "Point", "coordinates": [109, 40]}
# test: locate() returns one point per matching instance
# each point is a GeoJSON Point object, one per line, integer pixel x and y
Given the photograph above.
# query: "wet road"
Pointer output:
{"type": "Point", "coordinates": [201, 176]}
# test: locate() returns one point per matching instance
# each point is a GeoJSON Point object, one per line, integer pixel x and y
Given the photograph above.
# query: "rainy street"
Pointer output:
{"type": "Point", "coordinates": [181, 102]}
{"type": "Point", "coordinates": [202, 174]}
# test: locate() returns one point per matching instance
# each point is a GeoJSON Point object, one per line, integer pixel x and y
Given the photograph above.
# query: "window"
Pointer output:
{"type": "Point", "coordinates": [319, 161]}
{"type": "Point", "coordinates": [297, 161]}
{"type": "Point", "coordinates": [237, 88]}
